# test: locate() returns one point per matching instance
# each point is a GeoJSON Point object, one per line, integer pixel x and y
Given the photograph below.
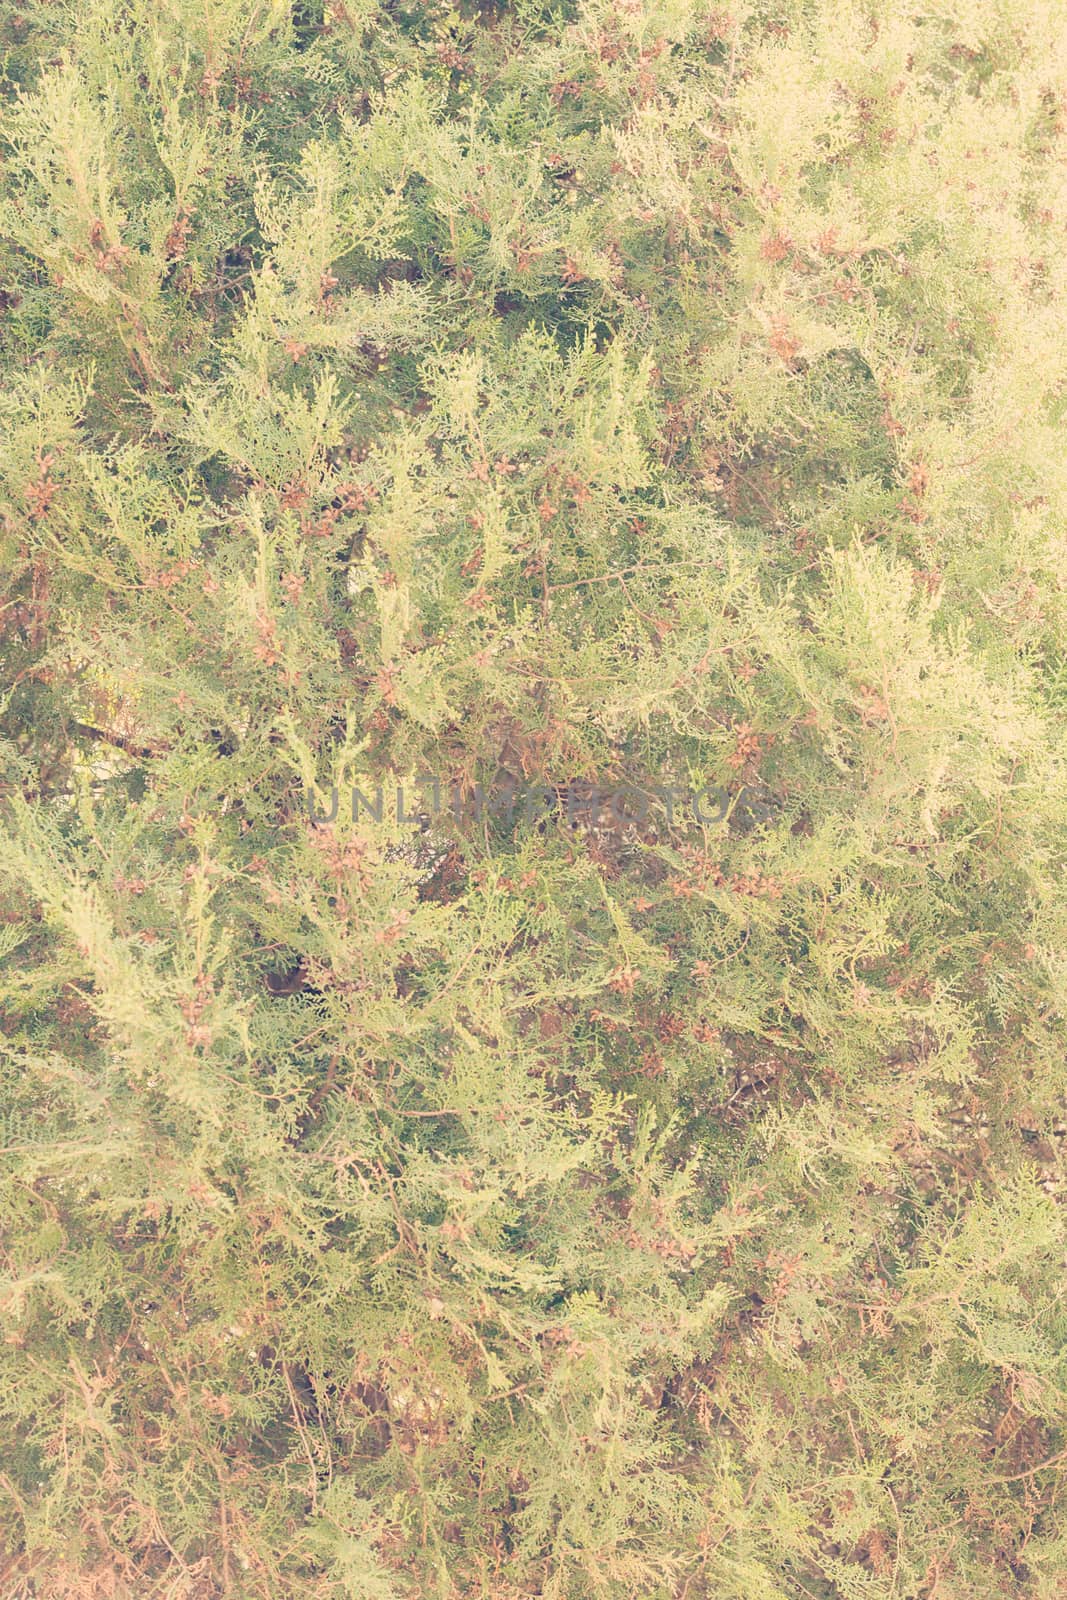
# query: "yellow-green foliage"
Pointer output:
{"type": "Point", "coordinates": [622, 391]}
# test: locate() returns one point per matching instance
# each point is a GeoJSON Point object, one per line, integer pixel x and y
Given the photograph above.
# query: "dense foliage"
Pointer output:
{"type": "Point", "coordinates": [584, 1206]}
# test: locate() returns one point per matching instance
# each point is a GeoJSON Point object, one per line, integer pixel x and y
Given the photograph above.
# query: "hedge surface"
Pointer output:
{"type": "Point", "coordinates": [584, 1206]}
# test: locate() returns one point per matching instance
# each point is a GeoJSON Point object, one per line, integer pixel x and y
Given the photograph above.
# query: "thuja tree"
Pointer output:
{"type": "Point", "coordinates": [533, 1202]}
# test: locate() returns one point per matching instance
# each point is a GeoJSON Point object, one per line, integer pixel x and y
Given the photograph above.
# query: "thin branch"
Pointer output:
{"type": "Point", "coordinates": [119, 740]}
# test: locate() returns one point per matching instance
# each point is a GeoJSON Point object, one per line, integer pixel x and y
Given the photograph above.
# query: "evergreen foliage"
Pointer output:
{"type": "Point", "coordinates": [605, 391]}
